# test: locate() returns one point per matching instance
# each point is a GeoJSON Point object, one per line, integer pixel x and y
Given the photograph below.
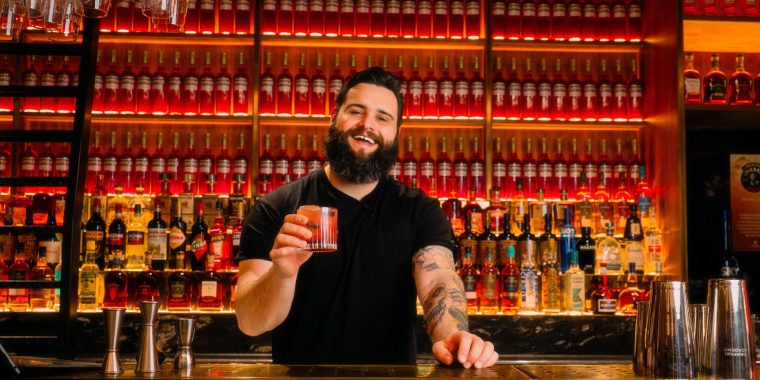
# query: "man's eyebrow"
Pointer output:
{"type": "Point", "coordinates": [362, 106]}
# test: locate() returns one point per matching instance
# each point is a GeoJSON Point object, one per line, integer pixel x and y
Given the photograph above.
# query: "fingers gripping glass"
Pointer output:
{"type": "Point", "coordinates": [323, 223]}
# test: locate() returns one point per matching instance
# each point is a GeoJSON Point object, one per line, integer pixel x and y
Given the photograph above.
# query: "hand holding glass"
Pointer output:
{"type": "Point", "coordinates": [323, 223]}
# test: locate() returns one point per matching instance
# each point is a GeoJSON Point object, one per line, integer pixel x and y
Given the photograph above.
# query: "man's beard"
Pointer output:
{"type": "Point", "coordinates": [345, 163]}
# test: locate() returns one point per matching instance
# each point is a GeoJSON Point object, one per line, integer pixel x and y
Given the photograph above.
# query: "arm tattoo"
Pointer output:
{"type": "Point", "coordinates": [442, 300]}
{"type": "Point", "coordinates": [429, 258]}
{"type": "Point", "coordinates": [461, 319]}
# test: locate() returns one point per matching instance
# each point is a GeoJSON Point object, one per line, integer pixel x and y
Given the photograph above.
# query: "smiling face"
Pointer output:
{"type": "Point", "coordinates": [362, 145]}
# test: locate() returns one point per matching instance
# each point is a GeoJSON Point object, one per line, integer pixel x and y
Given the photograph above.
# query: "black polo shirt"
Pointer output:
{"type": "Point", "coordinates": [356, 305]}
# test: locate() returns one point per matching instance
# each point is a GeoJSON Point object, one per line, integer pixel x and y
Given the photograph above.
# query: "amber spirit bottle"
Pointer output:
{"type": "Point", "coordinates": [489, 283]}
{"type": "Point", "coordinates": [692, 81]}
{"type": "Point", "coordinates": [210, 288]}
{"type": "Point", "coordinates": [41, 298]}
{"type": "Point", "coordinates": [470, 278]}
{"type": "Point", "coordinates": [628, 296]}
{"type": "Point", "coordinates": [602, 299]}
{"type": "Point", "coordinates": [634, 240]}
{"type": "Point", "coordinates": [115, 285]}
{"type": "Point", "coordinates": [510, 283]}
{"type": "Point", "coordinates": [551, 296]}
{"type": "Point", "coordinates": [147, 285]}
{"type": "Point", "coordinates": [715, 83]}
{"type": "Point", "coordinates": [740, 85]}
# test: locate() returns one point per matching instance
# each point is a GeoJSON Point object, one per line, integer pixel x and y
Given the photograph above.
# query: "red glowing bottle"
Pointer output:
{"type": "Point", "coordinates": [543, 20]}
{"type": "Point", "coordinates": [444, 174]}
{"type": "Point", "coordinates": [318, 90]}
{"type": "Point", "coordinates": [498, 93]}
{"type": "Point", "coordinates": [513, 19]}
{"type": "Point", "coordinates": [111, 87]}
{"type": "Point", "coordinates": [94, 163]}
{"type": "Point", "coordinates": [431, 97]}
{"type": "Point", "coordinates": [284, 86]}
{"type": "Point", "coordinates": [619, 95]}
{"type": "Point", "coordinates": [461, 92]}
{"type": "Point", "coordinates": [226, 17]}
{"type": "Point", "coordinates": [393, 18]}
{"type": "Point", "coordinates": [302, 90]}
{"type": "Point", "coordinates": [222, 84]}
{"type": "Point", "coordinates": [559, 21]}
{"type": "Point", "coordinates": [346, 14]}
{"type": "Point", "coordinates": [477, 92]}
{"type": "Point", "coordinates": [192, 17]}
{"type": "Point", "coordinates": [602, 30]}
{"type": "Point", "coordinates": [590, 166]}
{"type": "Point", "coordinates": [498, 167]}
{"type": "Point", "coordinates": [47, 79]}
{"type": "Point", "coordinates": [332, 18]}
{"type": "Point", "coordinates": [440, 18]}
{"type": "Point", "coordinates": [590, 100]}
{"type": "Point", "coordinates": [173, 89]}
{"type": "Point", "coordinates": [142, 87]}
{"type": "Point", "coordinates": [172, 166]}
{"type": "Point", "coordinates": [142, 164]}
{"type": "Point", "coordinates": [124, 14]}
{"type": "Point", "coordinates": [223, 165]}
{"type": "Point", "coordinates": [409, 165]}
{"type": "Point", "coordinates": [477, 171]}
{"type": "Point", "coordinates": [189, 166]}
{"type": "Point", "coordinates": [206, 160]}
{"type": "Point", "coordinates": [110, 165]}
{"type": "Point", "coordinates": [558, 108]}
{"type": "Point", "coordinates": [266, 169]}
{"type": "Point", "coordinates": [414, 105]}
{"type": "Point", "coordinates": [528, 14]}
{"type": "Point", "coordinates": [377, 18]}
{"type": "Point", "coordinates": [426, 181]}
{"type": "Point", "coordinates": [240, 88]}
{"type": "Point", "coordinates": [313, 162]}
{"type": "Point", "coordinates": [634, 20]}
{"type": "Point", "coordinates": [461, 167]}
{"type": "Point", "coordinates": [281, 164]}
{"type": "Point", "coordinates": [472, 15]}
{"type": "Point", "coordinates": [269, 20]}
{"type": "Point", "coordinates": [298, 161]}
{"type": "Point", "coordinates": [242, 16]}
{"type": "Point", "coordinates": [514, 169]}
{"type": "Point", "coordinates": [206, 89]}
{"type": "Point", "coordinates": [544, 92]}
{"type": "Point", "coordinates": [408, 19]}
{"type": "Point", "coordinates": [157, 97]}
{"type": "Point", "coordinates": [604, 111]}
{"type": "Point", "coordinates": [545, 173]}
{"type": "Point", "coordinates": [189, 93]}
{"type": "Point", "coordinates": [424, 18]}
{"type": "Point", "coordinates": [97, 89]}
{"type": "Point", "coordinates": [529, 95]}
{"type": "Point", "coordinates": [301, 14]}
{"type": "Point", "coordinates": [285, 17]}
{"type": "Point", "coordinates": [574, 170]}
{"type": "Point", "coordinates": [530, 169]}
{"type": "Point", "coordinates": [513, 104]}
{"type": "Point", "coordinates": [446, 89]}
{"type": "Point", "coordinates": [574, 94]}
{"type": "Point", "coordinates": [266, 88]}
{"type": "Point", "coordinates": [635, 92]}
{"type": "Point", "coordinates": [316, 20]}
{"type": "Point", "coordinates": [619, 21]}
{"type": "Point", "coordinates": [574, 20]}
{"type": "Point", "coordinates": [157, 165]}
{"type": "Point", "coordinates": [125, 96]}
{"type": "Point", "coordinates": [64, 78]}
{"type": "Point", "coordinates": [126, 171]}
{"type": "Point", "coordinates": [560, 171]}
{"type": "Point", "coordinates": [456, 19]}
{"type": "Point", "coordinates": [588, 21]}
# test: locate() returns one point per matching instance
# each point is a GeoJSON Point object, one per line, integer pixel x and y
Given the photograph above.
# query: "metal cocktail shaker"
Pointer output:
{"type": "Point", "coordinates": [698, 314]}
{"type": "Point", "coordinates": [730, 344]}
{"type": "Point", "coordinates": [639, 338]}
{"type": "Point", "coordinates": [669, 347]}
{"type": "Point", "coordinates": [147, 353]}
{"type": "Point", "coordinates": [185, 334]}
{"type": "Point", "coordinates": [114, 318]}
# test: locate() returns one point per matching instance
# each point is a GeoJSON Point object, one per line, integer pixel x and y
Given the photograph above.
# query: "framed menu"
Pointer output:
{"type": "Point", "coordinates": [745, 202]}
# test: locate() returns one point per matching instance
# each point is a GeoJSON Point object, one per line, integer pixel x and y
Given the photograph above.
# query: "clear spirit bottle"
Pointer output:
{"type": "Point", "coordinates": [608, 252]}
{"type": "Point", "coordinates": [574, 287]}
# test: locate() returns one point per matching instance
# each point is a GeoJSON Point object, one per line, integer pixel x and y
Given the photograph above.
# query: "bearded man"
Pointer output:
{"type": "Point", "coordinates": [356, 305]}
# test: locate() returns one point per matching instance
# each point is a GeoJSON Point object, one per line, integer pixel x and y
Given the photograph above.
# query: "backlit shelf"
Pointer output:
{"type": "Point", "coordinates": [568, 46]}
{"type": "Point", "coordinates": [553, 125]}
{"type": "Point", "coordinates": [407, 123]}
{"type": "Point", "coordinates": [177, 39]}
{"type": "Point", "coordinates": [721, 35]}
{"type": "Point", "coordinates": [373, 42]}
{"type": "Point", "coordinates": [173, 119]}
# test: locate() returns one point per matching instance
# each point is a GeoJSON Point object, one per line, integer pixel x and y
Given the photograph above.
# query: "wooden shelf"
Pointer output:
{"type": "Point", "coordinates": [721, 35]}
{"type": "Point", "coordinates": [373, 42]}
{"type": "Point", "coordinates": [568, 126]}
{"type": "Point", "coordinates": [725, 118]}
{"type": "Point", "coordinates": [173, 119]}
{"type": "Point", "coordinates": [408, 123]}
{"type": "Point", "coordinates": [177, 39]}
{"type": "Point", "coordinates": [567, 46]}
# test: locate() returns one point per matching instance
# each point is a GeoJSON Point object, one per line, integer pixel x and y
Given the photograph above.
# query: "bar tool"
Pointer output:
{"type": "Point", "coordinates": [185, 334]}
{"type": "Point", "coordinates": [114, 318]}
{"type": "Point", "coordinates": [730, 344]}
{"type": "Point", "coordinates": [670, 350]}
{"type": "Point", "coordinates": [147, 354]}
{"type": "Point", "coordinates": [698, 314]}
{"type": "Point", "coordinates": [639, 338]}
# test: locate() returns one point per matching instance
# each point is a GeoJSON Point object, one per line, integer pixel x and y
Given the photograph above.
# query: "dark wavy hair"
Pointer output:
{"type": "Point", "coordinates": [378, 77]}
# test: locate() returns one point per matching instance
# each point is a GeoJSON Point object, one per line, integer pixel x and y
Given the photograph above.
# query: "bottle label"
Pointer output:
{"type": "Point", "coordinates": [410, 169]}
{"type": "Point", "coordinates": [545, 170]}
{"type": "Point", "coordinates": [241, 84]}
{"type": "Point", "coordinates": [143, 83]}
{"type": "Point", "coordinates": [313, 165]}
{"type": "Point", "coordinates": [53, 251]}
{"type": "Point", "coordinates": [176, 238]}
{"type": "Point", "coordinates": [62, 80]}
{"type": "Point", "coordinates": [606, 305]}
{"type": "Point", "coordinates": [316, 6]}
{"type": "Point", "coordinates": [529, 289]}
{"type": "Point", "coordinates": [157, 243]}
{"type": "Point", "coordinates": [135, 237]}
{"type": "Point", "coordinates": [199, 247]}
{"type": "Point", "coordinates": [589, 11]}
{"type": "Point", "coordinates": [427, 169]}
{"type": "Point", "coordinates": [177, 290]}
{"type": "Point", "coordinates": [511, 285]}
{"type": "Point", "coordinates": [172, 166]}
{"type": "Point", "coordinates": [45, 164]}
{"type": "Point", "coordinates": [240, 166]}
{"type": "Point", "coordinates": [125, 164]}
{"type": "Point", "coordinates": [477, 169]}
{"type": "Point", "coordinates": [116, 240]}
{"type": "Point", "coordinates": [447, 90]}
{"type": "Point", "coordinates": [618, 11]}
{"type": "Point", "coordinates": [157, 83]}
{"type": "Point", "coordinates": [299, 168]}
{"type": "Point", "coordinates": [456, 8]}
{"type": "Point", "coordinates": [515, 90]}
{"type": "Point", "coordinates": [127, 83]}
{"type": "Point", "coordinates": [544, 10]}
{"type": "Point", "coordinates": [395, 171]}
{"type": "Point", "coordinates": [141, 165]}
{"type": "Point", "coordinates": [225, 5]}
{"type": "Point", "coordinates": [444, 169]}
{"type": "Point", "coordinates": [634, 11]}
{"type": "Point", "coordinates": [331, 6]}
{"type": "Point", "coordinates": [217, 244]}
{"type": "Point", "coordinates": [30, 79]}
{"type": "Point", "coordinates": [514, 170]}
{"type": "Point", "coordinates": [190, 165]}
{"type": "Point", "coordinates": [157, 165]}
{"type": "Point", "coordinates": [408, 7]}
{"type": "Point", "coordinates": [93, 244]}
{"type": "Point", "coordinates": [47, 80]}
{"type": "Point", "coordinates": [281, 167]}
{"type": "Point", "coordinates": [463, 90]}
{"type": "Point", "coordinates": [431, 89]}
{"type": "Point", "coordinates": [460, 169]}
{"type": "Point", "coordinates": [529, 170]}
{"type": "Point", "coordinates": [529, 92]}
{"type": "Point", "coordinates": [424, 8]}
{"type": "Point", "coordinates": [470, 283]}
{"type": "Point", "coordinates": [284, 85]}
{"type": "Point", "coordinates": [3, 164]}
{"type": "Point", "coordinates": [243, 5]}
{"type": "Point", "coordinates": [529, 9]}
{"type": "Point", "coordinates": [302, 86]}
{"type": "Point", "coordinates": [636, 90]}
{"type": "Point", "coordinates": [5, 79]}
{"type": "Point", "coordinates": [88, 287]}
{"type": "Point", "coordinates": [347, 6]}
{"type": "Point", "coordinates": [499, 90]}
{"type": "Point", "coordinates": [207, 84]}
{"type": "Point", "coordinates": [635, 253]}
{"type": "Point", "coordinates": [560, 170]}
{"type": "Point", "coordinates": [559, 10]}
{"type": "Point", "coordinates": [498, 8]}
{"type": "Point", "coordinates": [603, 11]}
{"type": "Point", "coordinates": [209, 289]}
{"type": "Point", "coordinates": [98, 82]}
{"type": "Point", "coordinates": [204, 165]}
{"type": "Point", "coordinates": [489, 287]}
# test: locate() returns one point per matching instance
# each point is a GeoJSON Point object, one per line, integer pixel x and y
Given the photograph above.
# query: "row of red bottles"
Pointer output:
{"type": "Point", "coordinates": [716, 88]}
{"type": "Point", "coordinates": [234, 17]}
{"type": "Point", "coordinates": [572, 20]}
{"type": "Point", "coordinates": [35, 160]}
{"type": "Point", "coordinates": [50, 74]}
{"type": "Point", "coordinates": [462, 177]}
{"type": "Point", "coordinates": [728, 8]}
{"type": "Point", "coordinates": [444, 96]}
{"type": "Point", "coordinates": [275, 171]}
{"type": "Point", "coordinates": [181, 91]}
{"type": "Point", "coordinates": [188, 170]}
{"type": "Point", "coordinates": [375, 18]}
{"type": "Point", "coordinates": [606, 96]}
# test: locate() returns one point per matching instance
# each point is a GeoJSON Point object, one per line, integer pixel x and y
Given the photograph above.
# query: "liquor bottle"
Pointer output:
{"type": "Point", "coordinates": [157, 240]}
{"type": "Point", "coordinates": [633, 238]}
{"type": "Point", "coordinates": [605, 94]}
{"type": "Point", "coordinates": [318, 91]}
{"type": "Point", "coordinates": [460, 166]}
{"type": "Point", "coordinates": [301, 83]}
{"type": "Point", "coordinates": [177, 238]}
{"type": "Point", "coordinates": [498, 92]}
{"type": "Point", "coordinates": [219, 244]}
{"type": "Point", "coordinates": [545, 168]}
{"type": "Point", "coordinates": [198, 241]}
{"type": "Point", "coordinates": [157, 165]}
{"type": "Point", "coordinates": [89, 287]}
{"type": "Point", "coordinates": [513, 170]}
{"type": "Point", "coordinates": [5, 162]}
{"type": "Point", "coordinates": [608, 252]}
{"type": "Point", "coordinates": [281, 164]}
{"type": "Point", "coordinates": [619, 103]}
{"type": "Point", "coordinates": [409, 166]}
{"type": "Point", "coordinates": [548, 243]}
{"type": "Point", "coordinates": [628, 296]}
{"type": "Point", "coordinates": [158, 82]}
{"type": "Point", "coordinates": [173, 160]}
{"type": "Point", "coordinates": [190, 165]}
{"type": "Point", "coordinates": [538, 209]}
{"type": "Point", "coordinates": [94, 164]}
{"type": "Point", "coordinates": [476, 169]}
{"type": "Point", "coordinates": [513, 19]}
{"type": "Point", "coordinates": [285, 17]}
{"type": "Point", "coordinates": [574, 287]}
{"type": "Point", "coordinates": [268, 17]}
{"type": "Point", "coordinates": [206, 159]}
{"type": "Point", "coordinates": [426, 170]}
{"type": "Point", "coordinates": [377, 18]}
{"type": "Point", "coordinates": [498, 19]}
{"type": "Point", "coordinates": [192, 17]}
{"type": "Point", "coordinates": [28, 162]}
{"type": "Point", "coordinates": [146, 287]}
{"type": "Point", "coordinates": [444, 172]}
{"type": "Point", "coordinates": [740, 91]}
{"type": "Point", "coordinates": [574, 94]}
{"type": "Point", "coordinates": [240, 88]}
{"type": "Point", "coordinates": [590, 166]}
{"type": "Point", "coordinates": [210, 288]}
{"type": "Point", "coordinates": [45, 161]}
{"type": "Point", "coordinates": [95, 236]}
{"type": "Point", "coordinates": [173, 90]}
{"type": "Point", "coordinates": [551, 299]}
{"type": "Point", "coordinates": [190, 89]}
{"type": "Point", "coordinates": [528, 15]}
{"type": "Point", "coordinates": [51, 242]}
{"type": "Point", "coordinates": [498, 167]}
{"type": "Point", "coordinates": [634, 20]}
{"type": "Point", "coordinates": [64, 78]}
{"type": "Point", "coordinates": [505, 239]}
{"type": "Point", "coordinates": [463, 96]}
{"type": "Point", "coordinates": [18, 207]}
{"type": "Point", "coordinates": [635, 93]}
{"type": "Point", "coordinates": [529, 95]}
{"type": "Point", "coordinates": [530, 169]}
{"type": "Point", "coordinates": [692, 81]}
{"type": "Point", "coordinates": [346, 18]}
{"type": "Point", "coordinates": [125, 95]}
{"type": "Point", "coordinates": [240, 162]}
{"type": "Point", "coordinates": [18, 298]}
{"type": "Point", "coordinates": [314, 161]}
{"type": "Point", "coordinates": [604, 165]}
{"type": "Point", "coordinates": [31, 78]}
{"type": "Point", "coordinates": [142, 87]}
{"type": "Point", "coordinates": [135, 245]}
{"type": "Point", "coordinates": [519, 206]}
{"type": "Point", "coordinates": [126, 170]}
{"type": "Point", "coordinates": [242, 17]}
{"type": "Point", "coordinates": [530, 282]}
{"type": "Point", "coordinates": [6, 78]}
{"type": "Point", "coordinates": [115, 284]}
{"type": "Point", "coordinates": [652, 244]}
{"type": "Point", "coordinates": [486, 242]}
{"type": "Point", "coordinates": [470, 279]}
{"type": "Point", "coordinates": [477, 101]}
{"type": "Point", "coordinates": [142, 163]}
{"type": "Point", "coordinates": [475, 213]}
{"type": "Point", "coordinates": [284, 86]}
{"type": "Point", "coordinates": [40, 208]}
{"type": "Point", "coordinates": [588, 21]}
{"type": "Point", "coordinates": [567, 243]}
{"type": "Point", "coordinates": [446, 92]}
{"type": "Point", "coordinates": [47, 79]}
{"type": "Point", "coordinates": [729, 265]}
{"type": "Point", "coordinates": [602, 298]}
{"type": "Point", "coordinates": [590, 98]}
{"type": "Point", "coordinates": [41, 298]}
{"type": "Point", "coordinates": [266, 88]}
{"type": "Point", "coordinates": [558, 30]}
{"type": "Point", "coordinates": [489, 283]}
{"type": "Point", "coordinates": [431, 96]}
{"type": "Point", "coordinates": [413, 104]}
{"type": "Point", "coordinates": [602, 29]}
{"type": "Point", "coordinates": [205, 91]}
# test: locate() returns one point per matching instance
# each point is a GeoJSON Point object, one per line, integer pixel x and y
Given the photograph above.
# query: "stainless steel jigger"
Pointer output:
{"type": "Point", "coordinates": [114, 318]}
{"type": "Point", "coordinates": [185, 334]}
{"type": "Point", "coordinates": [147, 354]}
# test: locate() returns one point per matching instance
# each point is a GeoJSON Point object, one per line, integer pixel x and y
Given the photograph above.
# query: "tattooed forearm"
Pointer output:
{"type": "Point", "coordinates": [442, 300]}
{"type": "Point", "coordinates": [431, 258]}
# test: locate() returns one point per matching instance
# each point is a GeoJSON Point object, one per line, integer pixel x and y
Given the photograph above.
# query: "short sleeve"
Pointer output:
{"type": "Point", "coordinates": [261, 227]}
{"type": "Point", "coordinates": [432, 227]}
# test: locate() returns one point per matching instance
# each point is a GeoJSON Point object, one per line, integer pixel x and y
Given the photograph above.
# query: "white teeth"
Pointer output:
{"type": "Point", "coordinates": [364, 138]}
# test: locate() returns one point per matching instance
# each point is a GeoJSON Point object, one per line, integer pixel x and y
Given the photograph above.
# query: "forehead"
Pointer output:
{"type": "Point", "coordinates": [373, 96]}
